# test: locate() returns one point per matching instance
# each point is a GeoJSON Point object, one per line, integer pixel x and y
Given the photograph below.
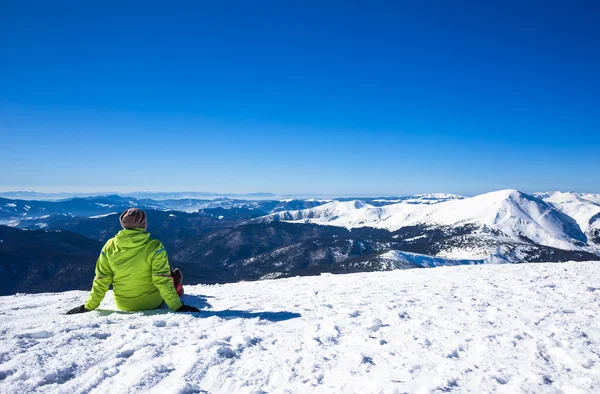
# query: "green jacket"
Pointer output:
{"type": "Point", "coordinates": [138, 268]}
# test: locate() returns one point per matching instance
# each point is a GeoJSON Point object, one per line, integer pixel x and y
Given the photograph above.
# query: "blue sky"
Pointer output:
{"type": "Point", "coordinates": [346, 98]}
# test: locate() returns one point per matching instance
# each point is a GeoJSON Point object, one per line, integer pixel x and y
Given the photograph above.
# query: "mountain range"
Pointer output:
{"type": "Point", "coordinates": [228, 240]}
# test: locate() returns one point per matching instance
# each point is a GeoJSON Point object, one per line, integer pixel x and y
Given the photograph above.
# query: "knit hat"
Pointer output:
{"type": "Point", "coordinates": [133, 218]}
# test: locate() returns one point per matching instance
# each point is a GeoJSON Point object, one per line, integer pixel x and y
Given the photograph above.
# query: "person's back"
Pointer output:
{"type": "Point", "coordinates": [133, 258]}
{"type": "Point", "coordinates": [138, 268]}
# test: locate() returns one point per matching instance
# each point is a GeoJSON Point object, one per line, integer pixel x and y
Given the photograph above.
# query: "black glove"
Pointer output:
{"type": "Point", "coordinates": [79, 309]}
{"type": "Point", "coordinates": [187, 308]}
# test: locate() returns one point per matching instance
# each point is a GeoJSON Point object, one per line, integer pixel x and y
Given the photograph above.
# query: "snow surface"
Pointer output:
{"type": "Point", "coordinates": [530, 328]}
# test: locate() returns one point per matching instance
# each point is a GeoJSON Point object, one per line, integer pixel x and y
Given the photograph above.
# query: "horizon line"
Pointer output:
{"type": "Point", "coordinates": [21, 194]}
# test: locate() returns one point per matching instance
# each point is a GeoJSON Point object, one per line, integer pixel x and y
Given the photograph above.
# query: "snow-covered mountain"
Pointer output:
{"type": "Point", "coordinates": [507, 214]}
{"type": "Point", "coordinates": [225, 240]}
{"type": "Point", "coordinates": [21, 213]}
{"type": "Point", "coordinates": [429, 198]}
{"type": "Point", "coordinates": [527, 328]}
{"type": "Point", "coordinates": [583, 207]}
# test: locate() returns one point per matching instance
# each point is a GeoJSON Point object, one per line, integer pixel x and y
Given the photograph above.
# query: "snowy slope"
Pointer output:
{"type": "Point", "coordinates": [510, 212]}
{"type": "Point", "coordinates": [584, 208]}
{"type": "Point", "coordinates": [529, 328]}
{"type": "Point", "coordinates": [425, 261]}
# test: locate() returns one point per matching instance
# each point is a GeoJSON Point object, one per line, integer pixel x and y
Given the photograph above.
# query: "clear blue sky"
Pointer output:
{"type": "Point", "coordinates": [346, 97]}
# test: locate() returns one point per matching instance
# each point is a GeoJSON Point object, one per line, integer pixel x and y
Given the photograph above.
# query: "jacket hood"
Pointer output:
{"type": "Point", "coordinates": [130, 238]}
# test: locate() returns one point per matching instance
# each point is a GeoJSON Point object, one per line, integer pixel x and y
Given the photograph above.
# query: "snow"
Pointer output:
{"type": "Point", "coordinates": [485, 328]}
{"type": "Point", "coordinates": [102, 216]}
{"type": "Point", "coordinates": [431, 198]}
{"type": "Point", "coordinates": [425, 261]}
{"type": "Point", "coordinates": [581, 207]}
{"type": "Point", "coordinates": [441, 196]}
{"type": "Point", "coordinates": [428, 198]}
{"type": "Point", "coordinates": [413, 238]}
{"type": "Point", "coordinates": [591, 197]}
{"type": "Point", "coordinates": [513, 213]}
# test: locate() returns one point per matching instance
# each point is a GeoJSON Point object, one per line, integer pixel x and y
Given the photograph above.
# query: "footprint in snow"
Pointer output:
{"type": "Point", "coordinates": [451, 385]}
{"type": "Point", "coordinates": [242, 342]}
{"type": "Point", "coordinates": [453, 354]}
{"type": "Point", "coordinates": [456, 352]}
{"type": "Point", "coordinates": [589, 364]}
{"type": "Point", "coordinates": [160, 323]}
{"type": "Point", "coordinates": [6, 374]}
{"type": "Point", "coordinates": [59, 377]}
{"type": "Point", "coordinates": [36, 335]}
{"type": "Point", "coordinates": [4, 357]}
{"type": "Point", "coordinates": [376, 324]}
{"type": "Point", "coordinates": [367, 360]}
{"type": "Point", "coordinates": [404, 315]}
{"type": "Point", "coordinates": [126, 353]}
{"type": "Point", "coordinates": [226, 352]}
{"type": "Point", "coordinates": [500, 379]}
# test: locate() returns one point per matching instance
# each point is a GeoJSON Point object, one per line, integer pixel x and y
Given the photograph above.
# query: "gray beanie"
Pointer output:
{"type": "Point", "coordinates": [133, 218]}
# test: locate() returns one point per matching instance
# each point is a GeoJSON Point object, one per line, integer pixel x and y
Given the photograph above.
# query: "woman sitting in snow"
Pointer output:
{"type": "Point", "coordinates": [138, 268]}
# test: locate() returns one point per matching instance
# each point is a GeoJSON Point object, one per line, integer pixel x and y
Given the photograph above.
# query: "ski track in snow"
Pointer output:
{"type": "Point", "coordinates": [531, 328]}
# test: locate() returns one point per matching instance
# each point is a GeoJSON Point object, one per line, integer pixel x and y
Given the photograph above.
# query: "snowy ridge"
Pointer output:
{"type": "Point", "coordinates": [514, 214]}
{"type": "Point", "coordinates": [486, 328]}
{"type": "Point", "coordinates": [584, 208]}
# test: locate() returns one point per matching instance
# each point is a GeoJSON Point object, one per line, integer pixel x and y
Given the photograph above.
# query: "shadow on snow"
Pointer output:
{"type": "Point", "coordinates": [201, 303]}
{"type": "Point", "coordinates": [235, 314]}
